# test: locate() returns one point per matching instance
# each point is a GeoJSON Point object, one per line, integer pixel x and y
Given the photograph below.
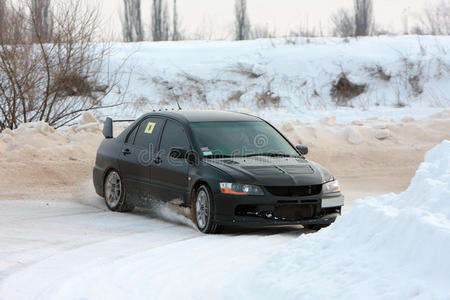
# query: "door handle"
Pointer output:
{"type": "Point", "coordinates": [126, 151]}
{"type": "Point", "coordinates": [157, 160]}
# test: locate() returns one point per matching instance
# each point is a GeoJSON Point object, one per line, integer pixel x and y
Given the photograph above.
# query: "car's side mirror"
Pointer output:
{"type": "Point", "coordinates": [302, 149]}
{"type": "Point", "coordinates": [178, 153]}
{"type": "Point", "coordinates": [191, 157]}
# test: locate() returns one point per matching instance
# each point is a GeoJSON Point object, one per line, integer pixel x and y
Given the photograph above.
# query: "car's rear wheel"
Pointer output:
{"type": "Point", "coordinates": [115, 193]}
{"type": "Point", "coordinates": [203, 210]}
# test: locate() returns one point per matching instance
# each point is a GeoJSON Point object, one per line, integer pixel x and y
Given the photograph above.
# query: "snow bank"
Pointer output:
{"type": "Point", "coordinates": [40, 141]}
{"type": "Point", "coordinates": [370, 133]}
{"type": "Point", "coordinates": [390, 247]}
{"type": "Point", "coordinates": [286, 78]}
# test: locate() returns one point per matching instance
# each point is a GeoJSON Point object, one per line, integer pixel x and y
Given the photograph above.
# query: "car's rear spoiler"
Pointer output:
{"type": "Point", "coordinates": [108, 126]}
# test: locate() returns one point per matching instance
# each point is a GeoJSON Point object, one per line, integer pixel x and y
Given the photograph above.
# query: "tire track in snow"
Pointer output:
{"type": "Point", "coordinates": [102, 248]}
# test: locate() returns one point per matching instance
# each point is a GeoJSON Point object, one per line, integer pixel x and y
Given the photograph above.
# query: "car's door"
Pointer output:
{"type": "Point", "coordinates": [137, 156]}
{"type": "Point", "coordinates": [170, 175]}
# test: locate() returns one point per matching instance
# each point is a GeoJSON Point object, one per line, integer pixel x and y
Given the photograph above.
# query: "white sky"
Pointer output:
{"type": "Point", "coordinates": [214, 18]}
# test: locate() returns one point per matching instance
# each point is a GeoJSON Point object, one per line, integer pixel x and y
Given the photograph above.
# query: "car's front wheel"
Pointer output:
{"type": "Point", "coordinates": [203, 210]}
{"type": "Point", "coordinates": [115, 193]}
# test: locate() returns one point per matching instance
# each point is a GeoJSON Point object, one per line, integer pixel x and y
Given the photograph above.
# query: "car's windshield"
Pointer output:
{"type": "Point", "coordinates": [234, 139]}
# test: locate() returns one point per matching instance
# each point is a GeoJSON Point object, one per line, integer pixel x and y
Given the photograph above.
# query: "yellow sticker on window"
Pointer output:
{"type": "Point", "coordinates": [150, 127]}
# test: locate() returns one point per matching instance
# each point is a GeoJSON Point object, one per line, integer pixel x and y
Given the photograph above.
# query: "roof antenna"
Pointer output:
{"type": "Point", "coordinates": [178, 103]}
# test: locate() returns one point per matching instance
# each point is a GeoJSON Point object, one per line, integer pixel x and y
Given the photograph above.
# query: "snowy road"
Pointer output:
{"type": "Point", "coordinates": [70, 250]}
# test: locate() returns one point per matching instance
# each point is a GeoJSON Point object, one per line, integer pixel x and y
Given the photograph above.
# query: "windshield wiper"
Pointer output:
{"type": "Point", "coordinates": [217, 156]}
{"type": "Point", "coordinates": [269, 154]}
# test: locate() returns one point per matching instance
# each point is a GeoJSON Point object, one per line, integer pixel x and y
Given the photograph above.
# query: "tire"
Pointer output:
{"type": "Point", "coordinates": [202, 208]}
{"type": "Point", "coordinates": [115, 193]}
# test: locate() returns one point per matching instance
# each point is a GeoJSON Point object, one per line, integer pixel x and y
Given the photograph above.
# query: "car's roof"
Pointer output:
{"type": "Point", "coordinates": [193, 116]}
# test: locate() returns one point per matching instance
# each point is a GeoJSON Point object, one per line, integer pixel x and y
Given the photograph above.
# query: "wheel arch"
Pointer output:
{"type": "Point", "coordinates": [105, 174]}
{"type": "Point", "coordinates": [195, 187]}
{"type": "Point", "coordinates": [212, 227]}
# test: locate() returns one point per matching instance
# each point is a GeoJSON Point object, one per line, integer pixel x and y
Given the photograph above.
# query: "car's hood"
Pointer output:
{"type": "Point", "coordinates": [270, 171]}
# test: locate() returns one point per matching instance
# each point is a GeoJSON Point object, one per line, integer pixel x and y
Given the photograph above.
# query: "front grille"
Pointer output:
{"type": "Point", "coordinates": [294, 212]}
{"type": "Point", "coordinates": [295, 191]}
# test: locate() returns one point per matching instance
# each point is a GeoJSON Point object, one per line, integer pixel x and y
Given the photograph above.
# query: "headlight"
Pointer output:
{"type": "Point", "coordinates": [240, 189]}
{"type": "Point", "coordinates": [331, 187]}
{"type": "Point", "coordinates": [326, 175]}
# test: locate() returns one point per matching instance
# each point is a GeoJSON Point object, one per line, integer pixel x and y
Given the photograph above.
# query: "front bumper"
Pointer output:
{"type": "Point", "coordinates": [263, 222]}
{"type": "Point", "coordinates": [268, 210]}
{"type": "Point", "coordinates": [332, 201]}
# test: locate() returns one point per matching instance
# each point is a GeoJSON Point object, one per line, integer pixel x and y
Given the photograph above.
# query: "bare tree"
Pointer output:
{"type": "Point", "coordinates": [262, 32]}
{"type": "Point", "coordinates": [363, 17]}
{"type": "Point", "coordinates": [344, 23]}
{"type": "Point", "coordinates": [437, 19]}
{"type": "Point", "coordinates": [2, 12]}
{"type": "Point", "coordinates": [52, 81]}
{"type": "Point", "coordinates": [165, 23]}
{"type": "Point", "coordinates": [417, 30]}
{"type": "Point", "coordinates": [43, 20]}
{"type": "Point", "coordinates": [242, 22]}
{"type": "Point", "coordinates": [156, 20]}
{"type": "Point", "coordinates": [176, 35]}
{"type": "Point", "coordinates": [434, 20]}
{"type": "Point", "coordinates": [132, 21]}
{"type": "Point", "coordinates": [405, 21]}
{"type": "Point", "coordinates": [160, 21]}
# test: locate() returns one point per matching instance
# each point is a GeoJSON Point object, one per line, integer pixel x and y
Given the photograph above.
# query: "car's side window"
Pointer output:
{"type": "Point", "coordinates": [148, 133]}
{"type": "Point", "coordinates": [173, 136]}
{"type": "Point", "coordinates": [132, 135]}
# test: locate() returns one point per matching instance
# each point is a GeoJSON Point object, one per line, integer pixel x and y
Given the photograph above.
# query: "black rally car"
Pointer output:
{"type": "Point", "coordinates": [230, 168]}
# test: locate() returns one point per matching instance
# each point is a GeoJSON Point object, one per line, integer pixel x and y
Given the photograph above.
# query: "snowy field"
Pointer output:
{"type": "Point", "coordinates": [287, 79]}
{"type": "Point", "coordinates": [389, 147]}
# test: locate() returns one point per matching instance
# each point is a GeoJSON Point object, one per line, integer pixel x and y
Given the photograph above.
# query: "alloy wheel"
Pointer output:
{"type": "Point", "coordinates": [113, 189]}
{"type": "Point", "coordinates": [202, 209]}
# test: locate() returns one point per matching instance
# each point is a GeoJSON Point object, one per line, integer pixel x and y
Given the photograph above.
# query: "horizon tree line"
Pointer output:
{"type": "Point", "coordinates": [165, 25]}
{"type": "Point", "coordinates": [355, 22]}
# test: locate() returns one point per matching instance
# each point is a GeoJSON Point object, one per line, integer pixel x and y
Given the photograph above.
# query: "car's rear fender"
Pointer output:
{"type": "Point", "coordinates": [106, 160]}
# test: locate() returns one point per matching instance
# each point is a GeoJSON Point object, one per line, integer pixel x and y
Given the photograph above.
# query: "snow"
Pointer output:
{"type": "Point", "coordinates": [390, 247]}
{"type": "Point", "coordinates": [38, 140]}
{"type": "Point", "coordinates": [60, 242]}
{"type": "Point", "coordinates": [69, 250]}
{"type": "Point", "coordinates": [297, 73]}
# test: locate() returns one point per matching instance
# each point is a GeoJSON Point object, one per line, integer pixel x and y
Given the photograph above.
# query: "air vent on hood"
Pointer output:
{"type": "Point", "coordinates": [264, 170]}
{"type": "Point", "coordinates": [301, 169]}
